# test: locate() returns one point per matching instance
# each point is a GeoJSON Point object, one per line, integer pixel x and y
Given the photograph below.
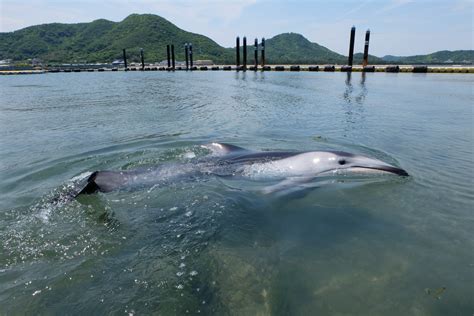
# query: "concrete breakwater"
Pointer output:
{"type": "Point", "coordinates": [293, 68]}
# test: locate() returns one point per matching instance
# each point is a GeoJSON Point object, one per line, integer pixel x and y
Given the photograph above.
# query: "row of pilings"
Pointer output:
{"type": "Point", "coordinates": [244, 55]}
{"type": "Point", "coordinates": [170, 57]}
{"type": "Point", "coordinates": [365, 59]}
{"type": "Point", "coordinates": [324, 68]}
{"type": "Point", "coordinates": [188, 51]}
{"type": "Point", "coordinates": [260, 63]}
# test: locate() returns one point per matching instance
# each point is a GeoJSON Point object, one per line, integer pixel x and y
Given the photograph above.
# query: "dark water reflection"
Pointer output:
{"type": "Point", "coordinates": [354, 106]}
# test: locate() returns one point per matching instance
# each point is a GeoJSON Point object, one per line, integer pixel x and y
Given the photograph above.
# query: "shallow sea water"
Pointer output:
{"type": "Point", "coordinates": [219, 246]}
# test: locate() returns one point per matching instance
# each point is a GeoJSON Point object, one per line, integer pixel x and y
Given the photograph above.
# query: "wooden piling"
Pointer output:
{"type": "Point", "coordinates": [172, 57]}
{"type": "Point", "coordinates": [191, 56]}
{"type": "Point", "coordinates": [244, 63]}
{"type": "Point", "coordinates": [237, 52]}
{"type": "Point", "coordinates": [125, 59]}
{"type": "Point", "coordinates": [366, 49]}
{"type": "Point", "coordinates": [256, 54]}
{"type": "Point", "coordinates": [142, 59]}
{"type": "Point", "coordinates": [263, 52]}
{"type": "Point", "coordinates": [186, 54]}
{"type": "Point", "coordinates": [351, 47]}
{"type": "Point", "coordinates": [168, 57]}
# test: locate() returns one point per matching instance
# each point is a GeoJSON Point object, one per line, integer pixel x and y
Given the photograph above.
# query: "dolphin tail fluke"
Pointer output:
{"type": "Point", "coordinates": [104, 181]}
{"type": "Point", "coordinates": [78, 186]}
{"type": "Point", "coordinates": [98, 181]}
{"type": "Point", "coordinates": [91, 186]}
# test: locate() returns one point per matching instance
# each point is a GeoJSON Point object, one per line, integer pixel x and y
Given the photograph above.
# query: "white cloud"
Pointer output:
{"type": "Point", "coordinates": [16, 14]}
{"type": "Point", "coordinates": [406, 23]}
{"type": "Point", "coordinates": [212, 18]}
{"type": "Point", "coordinates": [394, 4]}
{"type": "Point", "coordinates": [463, 5]}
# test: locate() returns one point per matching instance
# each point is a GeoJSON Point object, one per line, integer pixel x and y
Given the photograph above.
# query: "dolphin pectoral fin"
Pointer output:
{"type": "Point", "coordinates": [290, 185]}
{"type": "Point", "coordinates": [222, 149]}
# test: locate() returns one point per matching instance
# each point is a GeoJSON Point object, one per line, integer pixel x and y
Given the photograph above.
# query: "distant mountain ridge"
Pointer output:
{"type": "Point", "coordinates": [441, 57]}
{"type": "Point", "coordinates": [103, 41]}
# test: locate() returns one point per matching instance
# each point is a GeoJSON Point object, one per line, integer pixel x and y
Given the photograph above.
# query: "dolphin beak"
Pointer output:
{"type": "Point", "coordinates": [374, 164]}
{"type": "Point", "coordinates": [390, 169]}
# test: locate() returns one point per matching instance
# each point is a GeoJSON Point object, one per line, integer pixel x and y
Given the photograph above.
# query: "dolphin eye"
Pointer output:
{"type": "Point", "coordinates": [342, 161]}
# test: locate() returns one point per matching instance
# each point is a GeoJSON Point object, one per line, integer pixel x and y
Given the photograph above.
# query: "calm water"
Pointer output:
{"type": "Point", "coordinates": [218, 246]}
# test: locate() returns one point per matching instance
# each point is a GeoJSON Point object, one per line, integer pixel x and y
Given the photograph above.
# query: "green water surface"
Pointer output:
{"type": "Point", "coordinates": [217, 246]}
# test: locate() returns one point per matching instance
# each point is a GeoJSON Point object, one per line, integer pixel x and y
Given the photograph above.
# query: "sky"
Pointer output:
{"type": "Point", "coordinates": [398, 27]}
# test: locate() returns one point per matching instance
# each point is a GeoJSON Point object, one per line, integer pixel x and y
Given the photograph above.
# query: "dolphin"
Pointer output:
{"type": "Point", "coordinates": [291, 168]}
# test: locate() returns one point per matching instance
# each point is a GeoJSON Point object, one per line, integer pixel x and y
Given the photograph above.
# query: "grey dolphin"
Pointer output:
{"type": "Point", "coordinates": [291, 168]}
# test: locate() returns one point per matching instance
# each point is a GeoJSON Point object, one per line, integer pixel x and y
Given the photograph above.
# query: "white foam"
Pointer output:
{"type": "Point", "coordinates": [45, 214]}
{"type": "Point", "coordinates": [189, 155]}
{"type": "Point", "coordinates": [152, 188]}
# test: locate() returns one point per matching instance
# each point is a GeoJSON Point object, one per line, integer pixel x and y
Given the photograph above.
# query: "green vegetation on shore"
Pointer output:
{"type": "Point", "coordinates": [103, 41]}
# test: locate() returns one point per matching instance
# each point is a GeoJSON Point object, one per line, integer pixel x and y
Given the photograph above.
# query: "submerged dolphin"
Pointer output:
{"type": "Point", "coordinates": [291, 168]}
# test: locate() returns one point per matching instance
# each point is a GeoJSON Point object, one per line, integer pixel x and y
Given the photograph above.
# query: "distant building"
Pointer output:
{"type": "Point", "coordinates": [5, 62]}
{"type": "Point", "coordinates": [176, 63]}
{"type": "Point", "coordinates": [118, 62]}
{"type": "Point", "coordinates": [36, 62]}
{"type": "Point", "coordinates": [205, 62]}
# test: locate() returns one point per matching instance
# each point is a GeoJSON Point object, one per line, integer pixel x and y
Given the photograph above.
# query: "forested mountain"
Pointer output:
{"type": "Point", "coordinates": [103, 41]}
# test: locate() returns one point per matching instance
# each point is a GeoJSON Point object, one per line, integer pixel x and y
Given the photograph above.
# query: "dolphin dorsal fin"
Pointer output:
{"type": "Point", "coordinates": [222, 149]}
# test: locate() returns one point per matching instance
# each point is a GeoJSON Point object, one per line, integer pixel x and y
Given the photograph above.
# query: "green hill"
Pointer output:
{"type": "Point", "coordinates": [292, 48]}
{"type": "Point", "coordinates": [441, 57]}
{"type": "Point", "coordinates": [373, 60]}
{"type": "Point", "coordinates": [103, 41]}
